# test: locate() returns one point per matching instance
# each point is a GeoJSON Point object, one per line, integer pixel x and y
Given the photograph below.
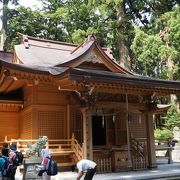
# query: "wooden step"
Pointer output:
{"type": "Point", "coordinates": [65, 164]}
{"type": "Point", "coordinates": [162, 157]}
{"type": "Point", "coordinates": [60, 153]}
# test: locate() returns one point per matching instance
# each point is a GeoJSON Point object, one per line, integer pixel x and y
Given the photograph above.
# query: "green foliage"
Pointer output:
{"type": "Point", "coordinates": [147, 49]}
{"type": "Point", "coordinates": [172, 118]}
{"type": "Point", "coordinates": [25, 21]}
{"type": "Point", "coordinates": [153, 50]}
{"type": "Point", "coordinates": [112, 22]}
{"type": "Point", "coordinates": [163, 134]}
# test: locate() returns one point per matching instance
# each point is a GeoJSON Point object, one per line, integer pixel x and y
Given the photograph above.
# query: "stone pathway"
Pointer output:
{"type": "Point", "coordinates": [164, 171]}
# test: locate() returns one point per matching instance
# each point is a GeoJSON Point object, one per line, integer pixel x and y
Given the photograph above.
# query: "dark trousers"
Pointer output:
{"type": "Point", "coordinates": [90, 173]}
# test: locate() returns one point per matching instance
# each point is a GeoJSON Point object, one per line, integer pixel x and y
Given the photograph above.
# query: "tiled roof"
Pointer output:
{"type": "Point", "coordinates": [6, 56]}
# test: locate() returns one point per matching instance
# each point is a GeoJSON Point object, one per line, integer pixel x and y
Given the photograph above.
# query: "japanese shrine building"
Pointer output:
{"type": "Point", "coordinates": [58, 89]}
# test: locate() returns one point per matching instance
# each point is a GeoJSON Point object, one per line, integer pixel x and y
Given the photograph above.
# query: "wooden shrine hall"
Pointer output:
{"type": "Point", "coordinates": [58, 89]}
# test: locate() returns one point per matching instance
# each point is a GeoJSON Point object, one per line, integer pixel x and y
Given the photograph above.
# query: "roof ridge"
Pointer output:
{"type": "Point", "coordinates": [47, 40]}
{"type": "Point", "coordinates": [90, 37]}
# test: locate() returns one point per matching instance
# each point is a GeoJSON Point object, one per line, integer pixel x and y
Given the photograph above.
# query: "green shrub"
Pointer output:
{"type": "Point", "coordinates": [163, 133]}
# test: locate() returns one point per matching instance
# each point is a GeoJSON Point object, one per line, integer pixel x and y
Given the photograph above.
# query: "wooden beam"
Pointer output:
{"type": "Point", "coordinates": [11, 105]}
{"type": "Point", "coordinates": [121, 105]}
{"type": "Point", "coordinates": [115, 89]}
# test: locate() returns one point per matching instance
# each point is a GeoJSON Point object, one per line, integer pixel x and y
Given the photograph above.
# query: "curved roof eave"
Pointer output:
{"type": "Point", "coordinates": [116, 65]}
{"type": "Point", "coordinates": [34, 69]}
{"type": "Point", "coordinates": [102, 76]}
{"type": "Point", "coordinates": [78, 54]}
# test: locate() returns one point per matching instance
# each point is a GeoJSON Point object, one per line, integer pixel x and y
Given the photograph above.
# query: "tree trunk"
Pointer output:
{"type": "Point", "coordinates": [123, 48]}
{"type": "Point", "coordinates": [4, 19]}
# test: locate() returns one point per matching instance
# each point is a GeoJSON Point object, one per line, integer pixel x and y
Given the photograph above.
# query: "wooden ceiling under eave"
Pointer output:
{"type": "Point", "coordinates": [11, 84]}
{"type": "Point", "coordinates": [13, 78]}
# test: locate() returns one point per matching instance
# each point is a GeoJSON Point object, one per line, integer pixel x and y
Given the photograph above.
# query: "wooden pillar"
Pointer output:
{"type": "Point", "coordinates": [87, 133]}
{"type": "Point", "coordinates": [150, 140]}
{"type": "Point", "coordinates": [69, 126]}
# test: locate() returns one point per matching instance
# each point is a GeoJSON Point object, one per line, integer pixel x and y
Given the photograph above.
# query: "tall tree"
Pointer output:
{"type": "Point", "coordinates": [27, 22]}
{"type": "Point", "coordinates": [112, 21]}
{"type": "Point", "coordinates": [157, 54]}
{"type": "Point", "coordinates": [6, 14]}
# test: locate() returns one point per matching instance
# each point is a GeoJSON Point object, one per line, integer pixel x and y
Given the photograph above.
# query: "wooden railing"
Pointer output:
{"type": "Point", "coordinates": [139, 153]}
{"type": "Point", "coordinates": [103, 159]}
{"type": "Point", "coordinates": [57, 147]}
{"type": "Point", "coordinates": [164, 149]}
{"type": "Point", "coordinates": [104, 165]}
{"type": "Point", "coordinates": [77, 149]}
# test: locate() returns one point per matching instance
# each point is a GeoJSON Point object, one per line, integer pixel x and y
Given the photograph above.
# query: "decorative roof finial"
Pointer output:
{"type": "Point", "coordinates": [25, 41]}
{"type": "Point", "coordinates": [91, 37]}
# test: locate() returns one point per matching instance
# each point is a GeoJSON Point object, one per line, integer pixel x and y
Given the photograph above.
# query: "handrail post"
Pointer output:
{"type": "Point", "coordinates": [169, 152]}
{"type": "Point", "coordinates": [82, 150]}
{"type": "Point", "coordinates": [5, 139]}
{"type": "Point", "coordinates": [47, 145]}
{"type": "Point", "coordinates": [72, 141]}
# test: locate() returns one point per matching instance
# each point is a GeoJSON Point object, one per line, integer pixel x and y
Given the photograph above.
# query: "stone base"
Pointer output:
{"type": "Point", "coordinates": [30, 171]}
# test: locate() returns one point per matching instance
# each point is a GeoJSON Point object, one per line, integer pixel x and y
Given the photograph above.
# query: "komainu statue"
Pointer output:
{"type": "Point", "coordinates": [36, 148]}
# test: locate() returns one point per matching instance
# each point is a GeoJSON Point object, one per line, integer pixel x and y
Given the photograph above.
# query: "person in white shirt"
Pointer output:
{"type": "Point", "coordinates": [83, 166]}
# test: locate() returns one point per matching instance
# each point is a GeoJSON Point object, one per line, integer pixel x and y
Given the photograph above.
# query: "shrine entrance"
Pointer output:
{"type": "Point", "coordinates": [98, 130]}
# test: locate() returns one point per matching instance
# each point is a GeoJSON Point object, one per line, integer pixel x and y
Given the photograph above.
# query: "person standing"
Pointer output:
{"type": "Point", "coordinates": [3, 157]}
{"type": "Point", "coordinates": [45, 154]}
{"type": "Point", "coordinates": [2, 162]}
{"type": "Point", "coordinates": [12, 154]}
{"type": "Point", "coordinates": [83, 166]}
{"type": "Point", "coordinates": [5, 149]}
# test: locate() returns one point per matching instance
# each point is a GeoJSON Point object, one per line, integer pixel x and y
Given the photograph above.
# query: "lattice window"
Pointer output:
{"type": "Point", "coordinates": [26, 126]}
{"type": "Point", "coordinates": [51, 124]}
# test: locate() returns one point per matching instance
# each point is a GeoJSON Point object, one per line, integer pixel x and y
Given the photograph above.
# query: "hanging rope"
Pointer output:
{"type": "Point", "coordinates": [127, 126]}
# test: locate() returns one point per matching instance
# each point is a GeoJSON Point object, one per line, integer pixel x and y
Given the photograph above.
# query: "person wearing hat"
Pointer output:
{"type": "Point", "coordinates": [83, 166]}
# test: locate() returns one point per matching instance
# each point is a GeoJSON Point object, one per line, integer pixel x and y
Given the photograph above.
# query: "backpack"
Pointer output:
{"type": "Point", "coordinates": [52, 168]}
{"type": "Point", "coordinates": [18, 158]}
{"type": "Point", "coordinates": [7, 169]}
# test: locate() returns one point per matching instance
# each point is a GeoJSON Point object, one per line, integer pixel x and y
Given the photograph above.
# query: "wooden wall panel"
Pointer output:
{"type": "Point", "coordinates": [76, 123]}
{"type": "Point", "coordinates": [49, 94]}
{"type": "Point", "coordinates": [120, 128]}
{"type": "Point", "coordinates": [52, 124]}
{"type": "Point", "coordinates": [9, 125]}
{"type": "Point", "coordinates": [26, 125]}
{"type": "Point", "coordinates": [110, 131]}
{"type": "Point", "coordinates": [28, 96]}
{"type": "Point", "coordinates": [137, 126]}
{"type": "Point", "coordinates": [44, 120]}
{"type": "Point", "coordinates": [44, 94]}
{"type": "Point", "coordinates": [55, 98]}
